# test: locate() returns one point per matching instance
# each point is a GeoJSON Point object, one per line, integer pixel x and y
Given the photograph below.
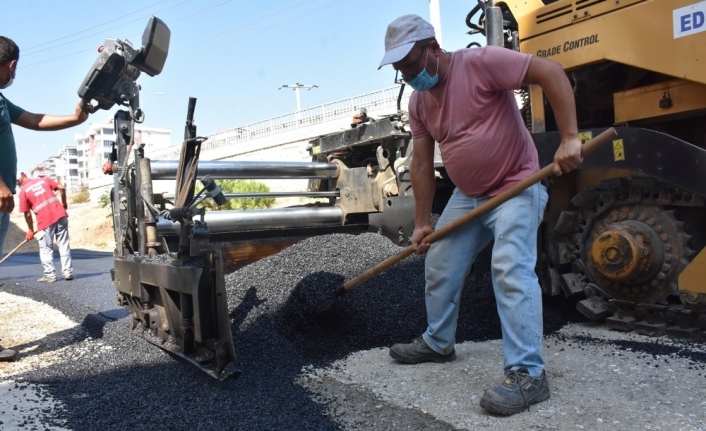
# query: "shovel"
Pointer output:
{"type": "Point", "coordinates": [487, 206]}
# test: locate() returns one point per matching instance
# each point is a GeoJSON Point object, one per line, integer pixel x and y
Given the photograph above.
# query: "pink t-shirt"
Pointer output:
{"type": "Point", "coordinates": [472, 114]}
{"type": "Point", "coordinates": [37, 194]}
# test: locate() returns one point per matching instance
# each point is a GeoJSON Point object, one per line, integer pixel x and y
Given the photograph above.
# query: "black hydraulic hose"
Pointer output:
{"type": "Point", "coordinates": [399, 97]}
{"type": "Point", "coordinates": [476, 8]}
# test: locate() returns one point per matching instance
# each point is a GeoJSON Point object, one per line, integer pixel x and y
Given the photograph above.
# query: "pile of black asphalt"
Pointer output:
{"type": "Point", "coordinates": [284, 316]}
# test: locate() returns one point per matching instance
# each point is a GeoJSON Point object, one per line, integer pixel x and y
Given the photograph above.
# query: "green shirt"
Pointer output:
{"type": "Point", "coordinates": [8, 153]}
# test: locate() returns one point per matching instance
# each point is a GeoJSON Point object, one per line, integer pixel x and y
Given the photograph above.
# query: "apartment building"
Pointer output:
{"type": "Point", "coordinates": [44, 169]}
{"type": "Point", "coordinates": [94, 146]}
{"type": "Point", "coordinates": [67, 167]}
{"type": "Point", "coordinates": [62, 168]}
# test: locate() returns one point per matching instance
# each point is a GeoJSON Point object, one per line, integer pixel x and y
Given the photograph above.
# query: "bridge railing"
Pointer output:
{"type": "Point", "coordinates": [377, 100]}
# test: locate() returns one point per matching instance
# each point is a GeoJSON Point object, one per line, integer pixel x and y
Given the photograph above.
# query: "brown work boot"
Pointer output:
{"type": "Point", "coordinates": [417, 352]}
{"type": "Point", "coordinates": [7, 355]}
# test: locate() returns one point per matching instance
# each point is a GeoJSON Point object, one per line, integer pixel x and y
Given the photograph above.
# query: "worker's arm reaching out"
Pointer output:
{"type": "Point", "coordinates": [32, 121]}
{"type": "Point", "coordinates": [551, 77]}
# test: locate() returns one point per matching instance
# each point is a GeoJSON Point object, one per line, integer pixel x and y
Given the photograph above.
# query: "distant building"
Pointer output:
{"type": "Point", "coordinates": [93, 148]}
{"type": "Point", "coordinates": [80, 165]}
{"type": "Point", "coordinates": [67, 167]}
{"type": "Point", "coordinates": [42, 170]}
{"type": "Point", "coordinates": [62, 168]}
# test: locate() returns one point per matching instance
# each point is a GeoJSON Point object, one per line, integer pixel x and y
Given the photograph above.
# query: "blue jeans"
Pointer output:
{"type": "Point", "coordinates": [4, 227]}
{"type": "Point", "coordinates": [513, 225]}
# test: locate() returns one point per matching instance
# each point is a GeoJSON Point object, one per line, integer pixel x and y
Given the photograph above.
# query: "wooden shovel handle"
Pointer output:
{"type": "Point", "coordinates": [485, 207]}
{"type": "Point", "coordinates": [13, 250]}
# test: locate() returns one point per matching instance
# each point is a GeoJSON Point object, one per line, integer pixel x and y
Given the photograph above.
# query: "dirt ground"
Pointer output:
{"type": "Point", "coordinates": [90, 228]}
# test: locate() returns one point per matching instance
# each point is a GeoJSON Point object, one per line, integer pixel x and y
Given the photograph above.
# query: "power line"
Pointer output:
{"type": "Point", "coordinates": [273, 20]}
{"type": "Point", "coordinates": [90, 28]}
{"type": "Point", "coordinates": [111, 28]}
{"type": "Point", "coordinates": [210, 36]}
{"type": "Point", "coordinates": [246, 31]}
{"type": "Point", "coordinates": [311, 17]}
{"type": "Point", "coordinates": [198, 12]}
{"type": "Point", "coordinates": [212, 43]}
{"type": "Point", "coordinates": [208, 43]}
{"type": "Point", "coordinates": [93, 48]}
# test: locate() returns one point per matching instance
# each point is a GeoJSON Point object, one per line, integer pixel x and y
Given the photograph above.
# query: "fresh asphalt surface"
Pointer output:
{"type": "Point", "coordinates": [104, 377]}
{"type": "Point", "coordinates": [91, 286]}
{"type": "Point", "coordinates": [97, 375]}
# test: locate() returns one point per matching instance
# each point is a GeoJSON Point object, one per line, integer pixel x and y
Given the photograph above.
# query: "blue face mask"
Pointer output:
{"type": "Point", "coordinates": [423, 81]}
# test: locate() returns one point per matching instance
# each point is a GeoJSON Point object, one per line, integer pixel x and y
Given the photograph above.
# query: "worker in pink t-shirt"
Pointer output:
{"type": "Point", "coordinates": [38, 195]}
{"type": "Point", "coordinates": [464, 101]}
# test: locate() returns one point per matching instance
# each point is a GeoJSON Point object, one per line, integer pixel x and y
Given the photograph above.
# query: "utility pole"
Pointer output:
{"type": "Point", "coordinates": [435, 18]}
{"type": "Point", "coordinates": [296, 87]}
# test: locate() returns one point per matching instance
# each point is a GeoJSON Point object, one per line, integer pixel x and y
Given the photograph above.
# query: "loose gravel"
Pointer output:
{"type": "Point", "coordinates": [317, 363]}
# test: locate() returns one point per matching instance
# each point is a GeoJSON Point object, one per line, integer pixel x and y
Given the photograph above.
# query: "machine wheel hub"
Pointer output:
{"type": "Point", "coordinates": [627, 252]}
{"type": "Point", "coordinates": [623, 247]}
{"type": "Point", "coordinates": [635, 252]}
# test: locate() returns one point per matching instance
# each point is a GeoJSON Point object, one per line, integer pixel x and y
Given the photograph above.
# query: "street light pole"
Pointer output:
{"type": "Point", "coordinates": [435, 17]}
{"type": "Point", "coordinates": [296, 87]}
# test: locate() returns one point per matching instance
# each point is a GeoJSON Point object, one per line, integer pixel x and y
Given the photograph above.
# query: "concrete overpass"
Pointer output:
{"type": "Point", "coordinates": [286, 138]}
{"type": "Point", "coordinates": [282, 138]}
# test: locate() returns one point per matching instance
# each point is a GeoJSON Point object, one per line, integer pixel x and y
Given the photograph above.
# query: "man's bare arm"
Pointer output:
{"type": "Point", "coordinates": [62, 193]}
{"type": "Point", "coordinates": [30, 222]}
{"type": "Point", "coordinates": [423, 182]}
{"type": "Point", "coordinates": [551, 77]}
{"type": "Point", "coordinates": [7, 202]}
{"type": "Point", "coordinates": [424, 186]}
{"type": "Point", "coordinates": [47, 122]}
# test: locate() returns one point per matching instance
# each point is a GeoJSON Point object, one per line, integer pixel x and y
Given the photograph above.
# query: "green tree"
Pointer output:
{"type": "Point", "coordinates": [239, 186]}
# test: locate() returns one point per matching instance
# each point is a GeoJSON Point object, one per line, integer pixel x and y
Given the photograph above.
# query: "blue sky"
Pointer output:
{"type": "Point", "coordinates": [232, 55]}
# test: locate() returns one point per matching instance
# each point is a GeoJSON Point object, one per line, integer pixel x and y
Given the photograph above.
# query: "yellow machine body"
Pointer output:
{"type": "Point", "coordinates": [634, 64]}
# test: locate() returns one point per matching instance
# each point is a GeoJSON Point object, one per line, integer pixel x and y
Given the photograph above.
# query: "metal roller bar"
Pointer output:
{"type": "Point", "coordinates": [332, 194]}
{"type": "Point", "coordinates": [279, 218]}
{"type": "Point", "coordinates": [222, 169]}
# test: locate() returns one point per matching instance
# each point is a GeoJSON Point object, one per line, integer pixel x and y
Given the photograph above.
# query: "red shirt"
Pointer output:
{"type": "Point", "coordinates": [37, 194]}
{"type": "Point", "coordinates": [472, 114]}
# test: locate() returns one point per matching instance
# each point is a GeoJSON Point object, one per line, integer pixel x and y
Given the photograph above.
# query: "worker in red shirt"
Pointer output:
{"type": "Point", "coordinates": [38, 195]}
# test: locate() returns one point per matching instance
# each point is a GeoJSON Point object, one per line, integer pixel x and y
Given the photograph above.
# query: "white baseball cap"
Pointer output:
{"type": "Point", "coordinates": [401, 36]}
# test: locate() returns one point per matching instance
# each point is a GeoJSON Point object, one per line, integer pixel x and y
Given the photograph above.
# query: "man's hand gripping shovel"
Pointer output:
{"type": "Point", "coordinates": [490, 204]}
